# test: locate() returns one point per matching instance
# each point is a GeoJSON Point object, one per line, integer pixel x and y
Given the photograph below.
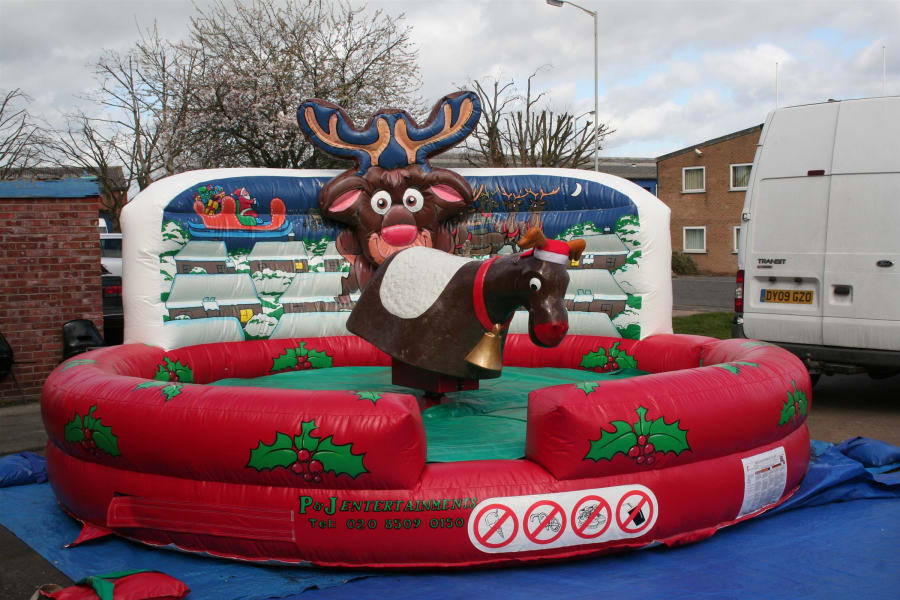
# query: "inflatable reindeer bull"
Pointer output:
{"type": "Point", "coordinates": [432, 310]}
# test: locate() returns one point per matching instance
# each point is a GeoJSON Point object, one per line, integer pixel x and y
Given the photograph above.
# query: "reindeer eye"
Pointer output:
{"type": "Point", "coordinates": [534, 284]}
{"type": "Point", "coordinates": [413, 200]}
{"type": "Point", "coordinates": [381, 202]}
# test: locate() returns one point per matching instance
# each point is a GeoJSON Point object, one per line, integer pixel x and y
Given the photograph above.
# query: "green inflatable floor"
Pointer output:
{"type": "Point", "coordinates": [487, 423]}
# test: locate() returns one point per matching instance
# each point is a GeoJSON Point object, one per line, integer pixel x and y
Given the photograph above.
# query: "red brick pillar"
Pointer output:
{"type": "Point", "coordinates": [49, 274]}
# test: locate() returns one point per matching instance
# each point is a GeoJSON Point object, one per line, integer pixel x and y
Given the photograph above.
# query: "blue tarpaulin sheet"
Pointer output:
{"type": "Point", "coordinates": [822, 543]}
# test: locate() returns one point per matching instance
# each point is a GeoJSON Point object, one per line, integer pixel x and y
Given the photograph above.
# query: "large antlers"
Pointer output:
{"type": "Point", "coordinates": [392, 139]}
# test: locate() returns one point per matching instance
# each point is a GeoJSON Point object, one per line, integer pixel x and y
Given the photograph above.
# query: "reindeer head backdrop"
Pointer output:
{"type": "Point", "coordinates": [393, 199]}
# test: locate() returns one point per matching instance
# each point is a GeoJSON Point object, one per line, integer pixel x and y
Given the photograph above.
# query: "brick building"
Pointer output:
{"type": "Point", "coordinates": [49, 272]}
{"type": "Point", "coordinates": [704, 185]}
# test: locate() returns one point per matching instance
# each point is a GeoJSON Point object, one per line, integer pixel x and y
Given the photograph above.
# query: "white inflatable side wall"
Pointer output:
{"type": "Point", "coordinates": [147, 245]}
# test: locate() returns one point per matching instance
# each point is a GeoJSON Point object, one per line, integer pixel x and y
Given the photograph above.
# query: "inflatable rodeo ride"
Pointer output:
{"type": "Point", "coordinates": [243, 419]}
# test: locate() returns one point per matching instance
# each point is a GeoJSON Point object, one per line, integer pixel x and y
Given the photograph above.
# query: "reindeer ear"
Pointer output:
{"type": "Point", "coordinates": [576, 247]}
{"type": "Point", "coordinates": [340, 197]}
{"type": "Point", "coordinates": [532, 238]}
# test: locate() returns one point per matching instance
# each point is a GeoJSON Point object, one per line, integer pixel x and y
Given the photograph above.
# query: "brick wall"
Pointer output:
{"type": "Point", "coordinates": [49, 274]}
{"type": "Point", "coordinates": [718, 208]}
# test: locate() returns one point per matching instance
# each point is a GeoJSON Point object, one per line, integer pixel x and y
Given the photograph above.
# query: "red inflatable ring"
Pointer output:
{"type": "Point", "coordinates": [141, 447]}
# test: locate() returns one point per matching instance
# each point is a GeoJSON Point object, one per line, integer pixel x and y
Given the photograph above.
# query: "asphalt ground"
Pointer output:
{"type": "Point", "coordinates": [843, 406]}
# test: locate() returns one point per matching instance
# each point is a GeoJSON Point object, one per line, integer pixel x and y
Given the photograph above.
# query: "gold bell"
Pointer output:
{"type": "Point", "coordinates": [487, 353]}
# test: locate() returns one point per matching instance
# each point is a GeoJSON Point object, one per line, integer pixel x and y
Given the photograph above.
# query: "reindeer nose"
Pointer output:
{"type": "Point", "coordinates": [552, 333]}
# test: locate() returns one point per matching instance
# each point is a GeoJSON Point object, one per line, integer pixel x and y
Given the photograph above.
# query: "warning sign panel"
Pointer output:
{"type": "Point", "coordinates": [765, 477]}
{"type": "Point", "coordinates": [544, 522]}
{"type": "Point", "coordinates": [591, 517]}
{"type": "Point", "coordinates": [635, 512]}
{"type": "Point", "coordinates": [496, 526]}
{"type": "Point", "coordinates": [553, 520]}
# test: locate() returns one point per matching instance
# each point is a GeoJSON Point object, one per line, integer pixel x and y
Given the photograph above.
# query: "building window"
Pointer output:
{"type": "Point", "coordinates": [740, 177]}
{"type": "Point", "coordinates": [737, 239]}
{"type": "Point", "coordinates": [693, 180]}
{"type": "Point", "coordinates": [694, 240]}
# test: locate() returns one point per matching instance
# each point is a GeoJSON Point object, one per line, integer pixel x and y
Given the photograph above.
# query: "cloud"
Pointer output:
{"type": "Point", "coordinates": [672, 73]}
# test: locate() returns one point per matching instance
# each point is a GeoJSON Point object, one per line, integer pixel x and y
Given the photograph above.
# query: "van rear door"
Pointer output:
{"type": "Point", "coordinates": [862, 264]}
{"type": "Point", "coordinates": [784, 251]}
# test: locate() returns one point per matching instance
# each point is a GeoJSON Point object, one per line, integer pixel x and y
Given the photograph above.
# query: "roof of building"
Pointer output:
{"type": "Point", "coordinates": [278, 251]}
{"type": "Point", "coordinates": [598, 282]}
{"type": "Point", "coordinates": [308, 286]}
{"type": "Point", "coordinates": [78, 187]}
{"type": "Point", "coordinates": [604, 243]}
{"type": "Point", "coordinates": [724, 138]}
{"type": "Point", "coordinates": [200, 250]}
{"type": "Point", "coordinates": [190, 290]}
{"type": "Point", "coordinates": [625, 167]}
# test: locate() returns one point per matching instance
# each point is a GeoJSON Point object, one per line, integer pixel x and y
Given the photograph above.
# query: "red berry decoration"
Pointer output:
{"type": "Point", "coordinates": [642, 439]}
{"type": "Point", "coordinates": [303, 455]}
{"type": "Point", "coordinates": [649, 449]}
{"type": "Point", "coordinates": [613, 366]}
{"type": "Point", "coordinates": [307, 477]}
{"type": "Point", "coordinates": [316, 466]}
{"type": "Point", "coordinates": [640, 460]}
{"type": "Point", "coordinates": [650, 460]}
{"type": "Point", "coordinates": [317, 479]}
{"type": "Point", "coordinates": [298, 468]}
{"type": "Point", "coordinates": [634, 452]}
{"type": "Point", "coordinates": [87, 433]}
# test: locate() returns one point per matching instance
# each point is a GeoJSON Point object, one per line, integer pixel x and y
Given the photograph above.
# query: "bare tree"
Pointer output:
{"type": "Point", "coordinates": [20, 137]}
{"type": "Point", "coordinates": [94, 147]}
{"type": "Point", "coordinates": [515, 131]}
{"type": "Point", "coordinates": [262, 58]}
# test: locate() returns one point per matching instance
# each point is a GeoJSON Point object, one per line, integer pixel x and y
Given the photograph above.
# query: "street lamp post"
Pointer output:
{"type": "Point", "coordinates": [559, 3]}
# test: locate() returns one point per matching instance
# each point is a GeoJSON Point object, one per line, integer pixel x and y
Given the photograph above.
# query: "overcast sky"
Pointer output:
{"type": "Point", "coordinates": [672, 73]}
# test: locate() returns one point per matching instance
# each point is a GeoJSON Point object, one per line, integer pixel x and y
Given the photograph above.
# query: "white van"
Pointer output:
{"type": "Point", "coordinates": [819, 252]}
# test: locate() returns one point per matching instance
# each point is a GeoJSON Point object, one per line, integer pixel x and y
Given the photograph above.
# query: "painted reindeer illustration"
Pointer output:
{"type": "Point", "coordinates": [393, 199]}
{"type": "Point", "coordinates": [429, 309]}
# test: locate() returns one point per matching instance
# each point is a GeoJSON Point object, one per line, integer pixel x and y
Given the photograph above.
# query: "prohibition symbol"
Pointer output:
{"type": "Point", "coordinates": [544, 522]}
{"type": "Point", "coordinates": [495, 526]}
{"type": "Point", "coordinates": [591, 517]}
{"type": "Point", "coordinates": [634, 512]}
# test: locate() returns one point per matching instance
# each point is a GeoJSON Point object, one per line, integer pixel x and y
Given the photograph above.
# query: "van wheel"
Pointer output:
{"type": "Point", "coordinates": [814, 378]}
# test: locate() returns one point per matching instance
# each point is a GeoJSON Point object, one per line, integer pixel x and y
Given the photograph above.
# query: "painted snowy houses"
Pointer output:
{"type": "Point", "coordinates": [287, 257]}
{"type": "Point", "coordinates": [204, 257]}
{"type": "Point", "coordinates": [199, 296]}
{"type": "Point", "coordinates": [604, 251]}
{"type": "Point", "coordinates": [594, 290]}
{"type": "Point", "coordinates": [315, 292]}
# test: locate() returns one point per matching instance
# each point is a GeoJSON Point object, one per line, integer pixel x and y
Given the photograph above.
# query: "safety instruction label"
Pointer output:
{"type": "Point", "coordinates": [765, 476]}
{"type": "Point", "coordinates": [522, 523]}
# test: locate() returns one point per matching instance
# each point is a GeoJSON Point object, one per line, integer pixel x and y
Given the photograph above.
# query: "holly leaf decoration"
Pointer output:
{"type": "Point", "coordinates": [796, 405]}
{"type": "Point", "coordinates": [587, 386]}
{"type": "Point", "coordinates": [373, 396]}
{"type": "Point", "coordinates": [169, 390]}
{"type": "Point", "coordinates": [318, 359]}
{"type": "Point", "coordinates": [305, 440]}
{"type": "Point", "coordinates": [74, 431]}
{"type": "Point", "coordinates": [300, 357]}
{"type": "Point", "coordinates": [754, 344]}
{"type": "Point", "coordinates": [77, 362]}
{"type": "Point", "coordinates": [625, 360]}
{"type": "Point", "coordinates": [101, 434]}
{"type": "Point", "coordinates": [734, 366]}
{"type": "Point", "coordinates": [595, 360]}
{"type": "Point", "coordinates": [279, 453]}
{"type": "Point", "coordinates": [339, 458]}
{"type": "Point", "coordinates": [667, 437]}
{"type": "Point", "coordinates": [288, 360]}
{"type": "Point", "coordinates": [169, 368]}
{"type": "Point", "coordinates": [612, 442]}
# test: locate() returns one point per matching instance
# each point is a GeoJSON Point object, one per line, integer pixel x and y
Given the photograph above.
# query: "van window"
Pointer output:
{"type": "Point", "coordinates": [693, 179]}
